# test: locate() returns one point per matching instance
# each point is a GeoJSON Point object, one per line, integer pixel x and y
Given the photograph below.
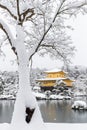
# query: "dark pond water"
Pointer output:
{"type": "Point", "coordinates": [52, 111]}
{"type": "Point", "coordinates": [6, 110]}
{"type": "Point", "coordinates": [61, 112]}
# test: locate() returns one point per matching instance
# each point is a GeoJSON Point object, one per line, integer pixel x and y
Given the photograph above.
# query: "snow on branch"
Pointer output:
{"type": "Point", "coordinates": [8, 10]}
{"type": "Point", "coordinates": [24, 13]}
{"type": "Point", "coordinates": [48, 29]}
{"type": "Point", "coordinates": [60, 51]}
{"type": "Point", "coordinates": [5, 27]}
{"type": "Point", "coordinates": [58, 9]}
{"type": "Point", "coordinates": [19, 10]}
{"type": "Point", "coordinates": [72, 6]}
{"type": "Point", "coordinates": [27, 14]}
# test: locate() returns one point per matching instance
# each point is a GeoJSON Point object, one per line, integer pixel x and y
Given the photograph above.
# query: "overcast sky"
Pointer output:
{"type": "Point", "coordinates": [79, 38]}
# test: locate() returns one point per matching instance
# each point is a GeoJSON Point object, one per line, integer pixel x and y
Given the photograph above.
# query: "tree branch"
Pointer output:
{"type": "Point", "coordinates": [18, 12]}
{"type": "Point", "coordinates": [13, 48]}
{"type": "Point", "coordinates": [45, 33]}
{"type": "Point", "coordinates": [54, 48]}
{"type": "Point", "coordinates": [73, 7]}
{"type": "Point", "coordinates": [4, 7]}
{"type": "Point", "coordinates": [24, 14]}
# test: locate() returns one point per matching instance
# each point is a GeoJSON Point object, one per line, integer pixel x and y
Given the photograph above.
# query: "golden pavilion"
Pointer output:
{"type": "Point", "coordinates": [54, 76]}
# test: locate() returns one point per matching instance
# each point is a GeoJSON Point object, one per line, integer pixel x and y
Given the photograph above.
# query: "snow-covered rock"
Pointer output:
{"type": "Point", "coordinates": [79, 105]}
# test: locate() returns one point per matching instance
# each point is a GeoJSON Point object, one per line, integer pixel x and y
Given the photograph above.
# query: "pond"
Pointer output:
{"type": "Point", "coordinates": [52, 111]}
{"type": "Point", "coordinates": [6, 110]}
{"type": "Point", "coordinates": [61, 112]}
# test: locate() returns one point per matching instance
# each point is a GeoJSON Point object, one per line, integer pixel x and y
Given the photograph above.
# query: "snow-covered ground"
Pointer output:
{"type": "Point", "coordinates": [51, 126]}
{"type": "Point", "coordinates": [4, 126]}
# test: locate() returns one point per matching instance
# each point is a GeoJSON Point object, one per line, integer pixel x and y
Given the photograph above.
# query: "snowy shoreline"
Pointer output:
{"type": "Point", "coordinates": [7, 97]}
{"type": "Point", "coordinates": [53, 126]}
{"type": "Point", "coordinates": [42, 96]}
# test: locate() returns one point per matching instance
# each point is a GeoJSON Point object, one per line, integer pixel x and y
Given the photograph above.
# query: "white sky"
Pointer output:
{"type": "Point", "coordinates": [79, 38]}
{"type": "Point", "coordinates": [8, 62]}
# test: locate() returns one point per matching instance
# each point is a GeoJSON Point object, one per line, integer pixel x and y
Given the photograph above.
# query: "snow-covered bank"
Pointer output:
{"type": "Point", "coordinates": [55, 126]}
{"type": "Point", "coordinates": [43, 96]}
{"type": "Point", "coordinates": [7, 97]}
{"type": "Point", "coordinates": [4, 126]}
{"type": "Point", "coordinates": [51, 126]}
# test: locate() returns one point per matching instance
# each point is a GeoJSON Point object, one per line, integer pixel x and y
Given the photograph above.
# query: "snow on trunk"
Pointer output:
{"type": "Point", "coordinates": [25, 98]}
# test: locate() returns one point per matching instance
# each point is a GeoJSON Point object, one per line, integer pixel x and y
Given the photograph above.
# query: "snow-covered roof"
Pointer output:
{"type": "Point", "coordinates": [61, 81]}
{"type": "Point", "coordinates": [54, 70]}
{"type": "Point", "coordinates": [70, 79]}
{"type": "Point", "coordinates": [49, 79]}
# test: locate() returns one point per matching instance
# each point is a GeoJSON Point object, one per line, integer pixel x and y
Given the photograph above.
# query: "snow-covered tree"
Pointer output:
{"type": "Point", "coordinates": [1, 85]}
{"type": "Point", "coordinates": [36, 74]}
{"type": "Point", "coordinates": [32, 26]}
{"type": "Point", "coordinates": [76, 71]}
{"type": "Point", "coordinates": [81, 84]}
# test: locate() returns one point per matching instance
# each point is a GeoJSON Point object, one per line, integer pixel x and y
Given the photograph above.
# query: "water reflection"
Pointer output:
{"type": "Point", "coordinates": [52, 111]}
{"type": "Point", "coordinates": [6, 110]}
{"type": "Point", "coordinates": [61, 112]}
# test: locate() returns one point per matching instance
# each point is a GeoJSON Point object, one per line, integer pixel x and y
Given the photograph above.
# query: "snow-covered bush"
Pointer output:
{"type": "Point", "coordinates": [79, 105]}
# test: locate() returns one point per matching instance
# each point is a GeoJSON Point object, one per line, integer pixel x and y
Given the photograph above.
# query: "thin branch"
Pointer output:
{"type": "Point", "coordinates": [38, 46]}
{"type": "Point", "coordinates": [13, 48]}
{"type": "Point", "coordinates": [30, 34]}
{"type": "Point", "coordinates": [73, 7]}
{"type": "Point", "coordinates": [5, 8]}
{"type": "Point", "coordinates": [54, 48]}
{"type": "Point", "coordinates": [24, 14]}
{"type": "Point", "coordinates": [1, 26]}
{"type": "Point", "coordinates": [47, 29]}
{"type": "Point", "coordinates": [44, 45]}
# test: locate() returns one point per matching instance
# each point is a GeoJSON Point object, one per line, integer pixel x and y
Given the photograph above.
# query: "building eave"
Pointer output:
{"type": "Point", "coordinates": [50, 79]}
{"type": "Point", "coordinates": [54, 79]}
{"type": "Point", "coordinates": [55, 71]}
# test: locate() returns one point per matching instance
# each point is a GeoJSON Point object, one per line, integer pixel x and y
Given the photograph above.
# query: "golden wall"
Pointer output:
{"type": "Point", "coordinates": [47, 83]}
{"type": "Point", "coordinates": [68, 82]}
{"type": "Point", "coordinates": [52, 83]}
{"type": "Point", "coordinates": [56, 75]}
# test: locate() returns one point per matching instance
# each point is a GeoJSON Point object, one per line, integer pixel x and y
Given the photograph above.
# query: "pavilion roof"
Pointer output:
{"type": "Point", "coordinates": [52, 79]}
{"type": "Point", "coordinates": [54, 70]}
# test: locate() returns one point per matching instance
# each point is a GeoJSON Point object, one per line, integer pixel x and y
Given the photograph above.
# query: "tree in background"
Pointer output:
{"type": "Point", "coordinates": [1, 85]}
{"type": "Point", "coordinates": [80, 85]}
{"type": "Point", "coordinates": [33, 26]}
